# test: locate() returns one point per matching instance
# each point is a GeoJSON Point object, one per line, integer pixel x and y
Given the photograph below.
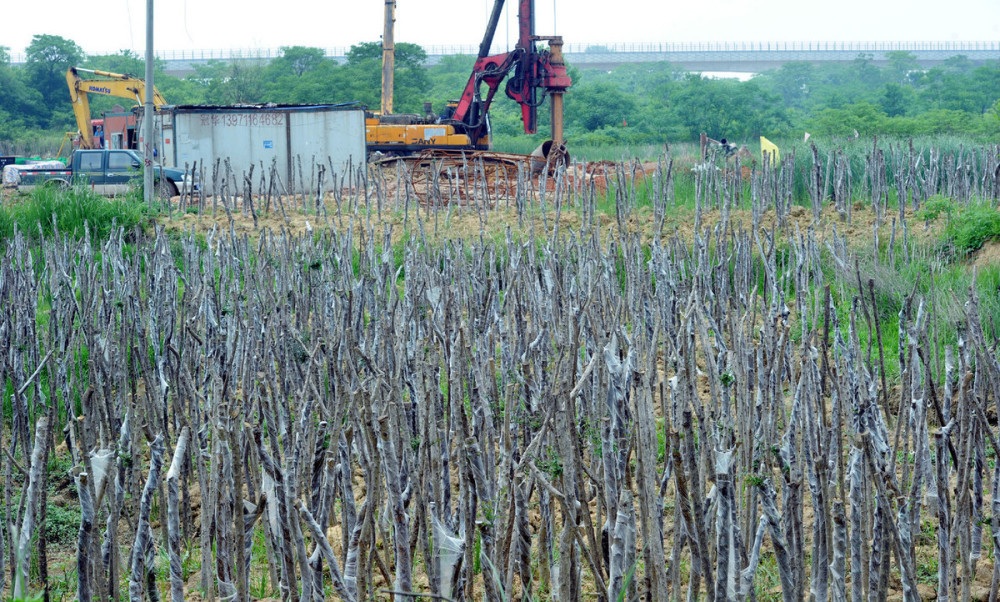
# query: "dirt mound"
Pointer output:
{"type": "Point", "coordinates": [988, 255]}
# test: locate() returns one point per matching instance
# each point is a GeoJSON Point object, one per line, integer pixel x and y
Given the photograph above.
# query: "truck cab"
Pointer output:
{"type": "Point", "coordinates": [108, 172]}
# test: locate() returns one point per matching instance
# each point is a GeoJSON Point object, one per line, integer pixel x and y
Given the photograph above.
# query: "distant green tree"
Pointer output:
{"type": "Point", "coordinates": [793, 82]}
{"type": "Point", "coordinates": [865, 117]}
{"type": "Point", "coordinates": [21, 107]}
{"type": "Point", "coordinates": [180, 91]}
{"type": "Point", "coordinates": [239, 81]}
{"type": "Point", "coordinates": [737, 111]}
{"type": "Point", "coordinates": [635, 79]}
{"type": "Point", "coordinates": [448, 78]}
{"type": "Point", "coordinates": [302, 75]}
{"type": "Point", "coordinates": [896, 99]}
{"type": "Point", "coordinates": [48, 58]}
{"type": "Point", "coordinates": [941, 122]}
{"type": "Point", "coordinates": [984, 82]}
{"type": "Point", "coordinates": [593, 106]}
{"type": "Point", "coordinates": [322, 85]}
{"type": "Point", "coordinates": [973, 91]}
{"type": "Point", "coordinates": [959, 64]}
{"type": "Point", "coordinates": [865, 71]}
{"type": "Point", "coordinates": [902, 65]}
{"type": "Point", "coordinates": [411, 83]}
{"type": "Point", "coordinates": [933, 85]}
{"type": "Point", "coordinates": [945, 121]}
{"type": "Point", "coordinates": [837, 85]}
{"type": "Point", "coordinates": [650, 111]}
{"type": "Point", "coordinates": [124, 61]}
{"type": "Point", "coordinates": [298, 60]}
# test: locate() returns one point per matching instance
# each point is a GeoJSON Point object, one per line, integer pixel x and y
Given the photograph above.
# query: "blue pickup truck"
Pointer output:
{"type": "Point", "coordinates": [107, 172]}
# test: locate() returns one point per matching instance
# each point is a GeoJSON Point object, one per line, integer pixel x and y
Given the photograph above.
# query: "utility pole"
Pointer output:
{"type": "Point", "coordinates": [147, 112]}
{"type": "Point", "coordinates": [388, 56]}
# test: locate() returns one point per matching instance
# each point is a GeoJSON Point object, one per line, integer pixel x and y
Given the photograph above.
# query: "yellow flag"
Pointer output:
{"type": "Point", "coordinates": [768, 148]}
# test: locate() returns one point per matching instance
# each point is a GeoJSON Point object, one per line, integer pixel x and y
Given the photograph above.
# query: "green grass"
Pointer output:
{"type": "Point", "coordinates": [767, 580]}
{"type": "Point", "coordinates": [927, 571]}
{"type": "Point", "coordinates": [972, 227]}
{"type": "Point", "coordinates": [61, 524]}
{"type": "Point", "coordinates": [939, 272]}
{"type": "Point", "coordinates": [71, 211]}
{"type": "Point", "coordinates": [936, 206]}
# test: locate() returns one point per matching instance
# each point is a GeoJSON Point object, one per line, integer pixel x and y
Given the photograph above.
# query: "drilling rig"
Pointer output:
{"type": "Point", "coordinates": [531, 74]}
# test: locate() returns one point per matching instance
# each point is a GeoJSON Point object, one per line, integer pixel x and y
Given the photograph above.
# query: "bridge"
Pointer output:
{"type": "Point", "coordinates": [736, 57]}
{"type": "Point", "coordinates": [754, 57]}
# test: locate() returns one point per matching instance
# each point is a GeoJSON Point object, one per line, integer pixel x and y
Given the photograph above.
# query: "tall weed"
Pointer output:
{"type": "Point", "coordinates": [70, 211]}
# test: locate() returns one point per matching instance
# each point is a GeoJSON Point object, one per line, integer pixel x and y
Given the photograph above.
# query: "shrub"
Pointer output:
{"type": "Point", "coordinates": [935, 206]}
{"type": "Point", "coordinates": [973, 227]}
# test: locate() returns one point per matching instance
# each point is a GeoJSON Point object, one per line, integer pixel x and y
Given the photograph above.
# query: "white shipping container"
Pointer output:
{"type": "Point", "coordinates": [282, 135]}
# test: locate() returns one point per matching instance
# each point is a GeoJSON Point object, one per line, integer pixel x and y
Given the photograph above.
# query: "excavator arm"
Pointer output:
{"type": "Point", "coordinates": [112, 84]}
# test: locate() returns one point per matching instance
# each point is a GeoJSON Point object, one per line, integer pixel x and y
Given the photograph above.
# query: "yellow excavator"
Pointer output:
{"type": "Point", "coordinates": [109, 84]}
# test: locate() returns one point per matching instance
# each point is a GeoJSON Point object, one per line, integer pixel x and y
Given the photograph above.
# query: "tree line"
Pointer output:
{"type": "Point", "coordinates": [632, 104]}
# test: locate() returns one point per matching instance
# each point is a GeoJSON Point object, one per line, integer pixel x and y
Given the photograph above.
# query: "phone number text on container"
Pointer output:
{"type": "Point", "coordinates": [244, 119]}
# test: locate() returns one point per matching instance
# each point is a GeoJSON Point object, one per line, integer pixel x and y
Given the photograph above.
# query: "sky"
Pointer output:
{"type": "Point", "coordinates": [103, 26]}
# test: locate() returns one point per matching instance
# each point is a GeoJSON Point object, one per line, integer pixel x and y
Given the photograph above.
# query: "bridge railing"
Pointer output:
{"type": "Point", "coordinates": [789, 46]}
{"type": "Point", "coordinates": [205, 54]}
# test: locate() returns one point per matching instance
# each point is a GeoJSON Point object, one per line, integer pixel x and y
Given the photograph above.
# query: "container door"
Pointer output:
{"type": "Point", "coordinates": [168, 156]}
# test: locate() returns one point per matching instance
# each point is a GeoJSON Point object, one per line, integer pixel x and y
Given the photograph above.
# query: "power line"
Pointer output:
{"type": "Point", "coordinates": [131, 38]}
